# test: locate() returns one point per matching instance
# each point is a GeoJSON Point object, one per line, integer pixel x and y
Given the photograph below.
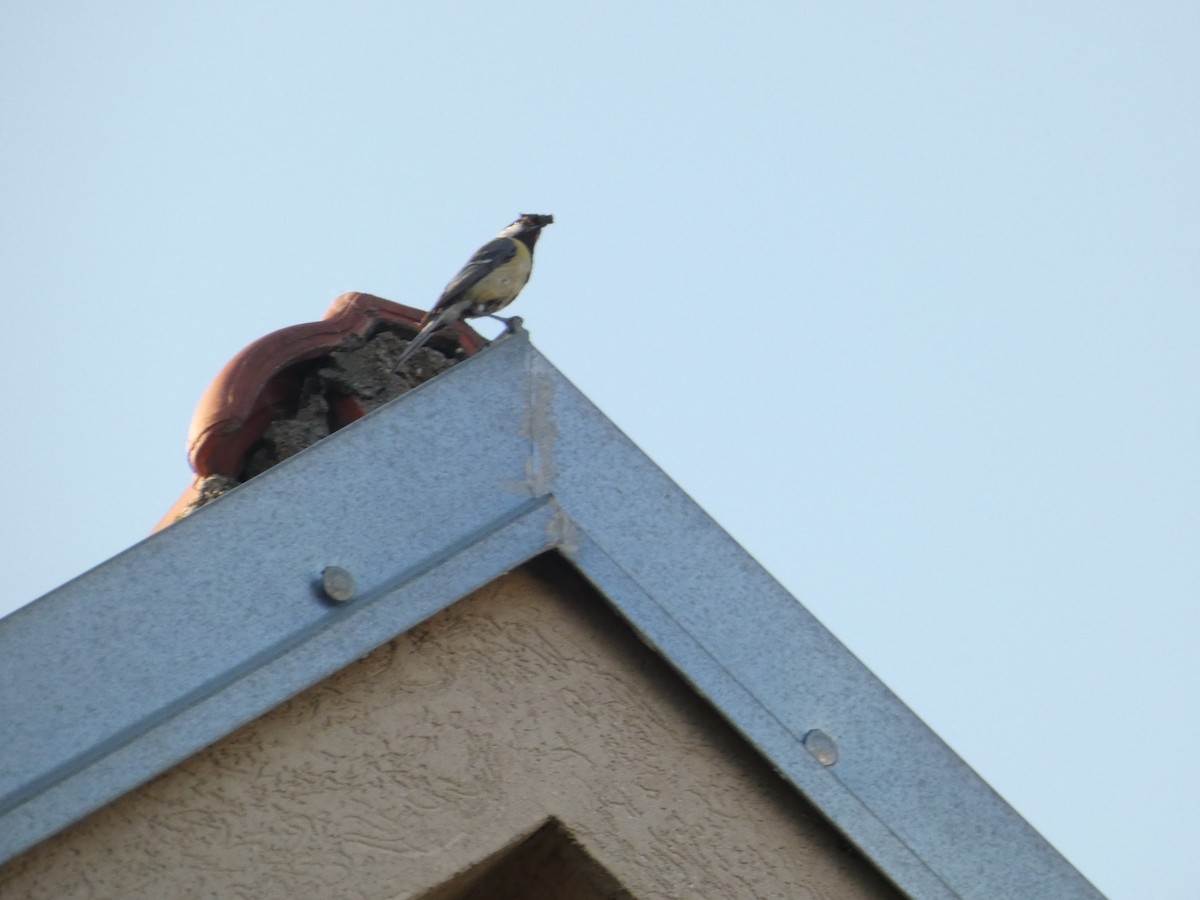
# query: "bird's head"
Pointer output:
{"type": "Point", "coordinates": [527, 228]}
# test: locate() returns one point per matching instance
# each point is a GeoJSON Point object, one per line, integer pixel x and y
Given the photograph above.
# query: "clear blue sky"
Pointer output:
{"type": "Point", "coordinates": [904, 294]}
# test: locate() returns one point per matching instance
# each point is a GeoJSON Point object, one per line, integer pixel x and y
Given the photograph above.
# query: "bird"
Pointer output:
{"type": "Point", "coordinates": [489, 281]}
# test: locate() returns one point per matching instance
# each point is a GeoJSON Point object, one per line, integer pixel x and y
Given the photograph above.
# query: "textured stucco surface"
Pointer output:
{"type": "Point", "coordinates": [526, 701]}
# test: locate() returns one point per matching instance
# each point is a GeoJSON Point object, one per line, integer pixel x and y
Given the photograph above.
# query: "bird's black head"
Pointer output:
{"type": "Point", "coordinates": [527, 228]}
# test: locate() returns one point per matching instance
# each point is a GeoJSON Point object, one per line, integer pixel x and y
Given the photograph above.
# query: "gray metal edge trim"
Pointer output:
{"type": "Point", "coordinates": [175, 642]}
{"type": "Point", "coordinates": [774, 672]}
{"type": "Point", "coordinates": [542, 468]}
{"type": "Point", "coordinates": [170, 735]}
{"type": "Point", "coordinates": [758, 725]}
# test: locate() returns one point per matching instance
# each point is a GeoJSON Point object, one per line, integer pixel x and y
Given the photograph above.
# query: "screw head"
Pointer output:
{"type": "Point", "coordinates": [821, 746]}
{"type": "Point", "coordinates": [338, 584]}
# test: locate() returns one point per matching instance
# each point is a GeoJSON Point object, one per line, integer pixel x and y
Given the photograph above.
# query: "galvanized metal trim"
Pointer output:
{"type": "Point", "coordinates": [169, 735]}
{"type": "Point", "coordinates": [174, 643]}
{"type": "Point", "coordinates": [896, 790]}
{"type": "Point", "coordinates": [190, 634]}
{"type": "Point", "coordinates": [759, 725]}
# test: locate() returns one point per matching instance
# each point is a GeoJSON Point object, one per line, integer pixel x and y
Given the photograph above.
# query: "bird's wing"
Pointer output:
{"type": "Point", "coordinates": [486, 259]}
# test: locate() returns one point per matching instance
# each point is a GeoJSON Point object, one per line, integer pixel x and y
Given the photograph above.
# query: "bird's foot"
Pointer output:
{"type": "Point", "coordinates": [512, 324]}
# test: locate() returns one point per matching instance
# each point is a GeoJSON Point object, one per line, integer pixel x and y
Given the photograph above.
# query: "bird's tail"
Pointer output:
{"type": "Point", "coordinates": [432, 324]}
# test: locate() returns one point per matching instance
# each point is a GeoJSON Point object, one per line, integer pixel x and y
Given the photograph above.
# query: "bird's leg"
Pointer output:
{"type": "Point", "coordinates": [512, 324]}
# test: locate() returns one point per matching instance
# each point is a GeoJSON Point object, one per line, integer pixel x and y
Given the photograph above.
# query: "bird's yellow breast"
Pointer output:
{"type": "Point", "coordinates": [500, 286]}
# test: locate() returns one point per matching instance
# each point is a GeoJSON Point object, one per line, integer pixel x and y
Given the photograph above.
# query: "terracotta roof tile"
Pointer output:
{"type": "Point", "coordinates": [297, 384]}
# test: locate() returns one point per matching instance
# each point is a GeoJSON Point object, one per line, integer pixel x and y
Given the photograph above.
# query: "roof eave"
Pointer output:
{"type": "Point", "coordinates": [141, 662]}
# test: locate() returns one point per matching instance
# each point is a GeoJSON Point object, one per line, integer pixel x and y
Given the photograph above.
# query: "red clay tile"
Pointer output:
{"type": "Point", "coordinates": [256, 386]}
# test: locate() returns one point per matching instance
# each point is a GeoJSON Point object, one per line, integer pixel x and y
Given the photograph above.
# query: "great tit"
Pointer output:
{"type": "Point", "coordinates": [489, 281]}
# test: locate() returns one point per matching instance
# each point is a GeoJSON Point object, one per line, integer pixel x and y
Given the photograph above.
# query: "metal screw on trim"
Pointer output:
{"type": "Point", "coordinates": [338, 584]}
{"type": "Point", "coordinates": [821, 746]}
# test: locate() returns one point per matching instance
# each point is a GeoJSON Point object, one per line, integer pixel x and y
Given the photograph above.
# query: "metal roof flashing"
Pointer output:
{"type": "Point", "coordinates": [139, 663]}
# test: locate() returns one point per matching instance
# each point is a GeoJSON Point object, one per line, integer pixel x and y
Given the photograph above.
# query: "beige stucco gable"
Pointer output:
{"type": "Point", "coordinates": [417, 768]}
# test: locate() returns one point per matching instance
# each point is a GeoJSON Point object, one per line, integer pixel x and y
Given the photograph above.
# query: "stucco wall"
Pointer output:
{"type": "Point", "coordinates": [527, 701]}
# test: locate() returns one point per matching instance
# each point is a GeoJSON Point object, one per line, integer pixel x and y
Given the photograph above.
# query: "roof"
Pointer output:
{"type": "Point", "coordinates": [266, 382]}
{"type": "Point", "coordinates": [137, 664]}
